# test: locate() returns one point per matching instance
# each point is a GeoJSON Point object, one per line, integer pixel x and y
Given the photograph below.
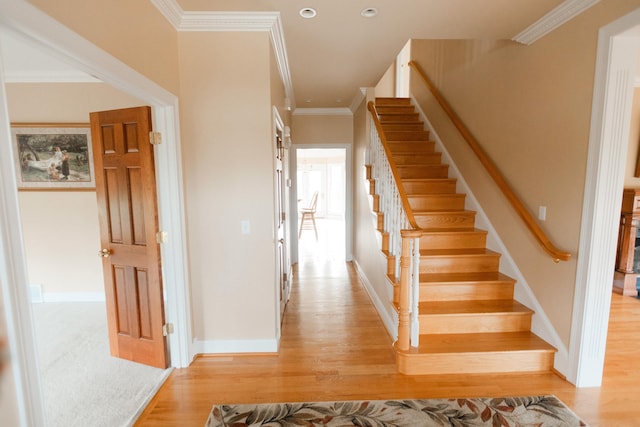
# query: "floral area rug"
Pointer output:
{"type": "Point", "coordinates": [538, 411]}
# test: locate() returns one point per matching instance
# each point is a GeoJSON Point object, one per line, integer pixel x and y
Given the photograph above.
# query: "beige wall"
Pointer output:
{"type": "Point", "coordinates": [367, 249]}
{"type": "Point", "coordinates": [386, 87]}
{"type": "Point", "coordinates": [133, 31]}
{"type": "Point", "coordinates": [228, 169]}
{"type": "Point", "coordinates": [321, 129]}
{"type": "Point", "coordinates": [634, 144]}
{"type": "Point", "coordinates": [60, 228]}
{"type": "Point", "coordinates": [530, 108]}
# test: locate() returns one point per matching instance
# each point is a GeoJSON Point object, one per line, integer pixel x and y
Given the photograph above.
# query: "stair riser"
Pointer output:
{"type": "Point", "coordinates": [398, 117]}
{"type": "Point", "coordinates": [417, 158]}
{"type": "Point", "coordinates": [474, 323]}
{"type": "Point", "coordinates": [459, 220]}
{"type": "Point", "coordinates": [475, 363]}
{"type": "Point", "coordinates": [390, 109]}
{"type": "Point", "coordinates": [459, 263]}
{"type": "Point", "coordinates": [424, 171]}
{"type": "Point", "coordinates": [454, 240]}
{"type": "Point", "coordinates": [410, 135]}
{"type": "Point", "coordinates": [465, 292]}
{"type": "Point", "coordinates": [385, 101]}
{"type": "Point", "coordinates": [403, 127]}
{"type": "Point", "coordinates": [412, 147]}
{"type": "Point", "coordinates": [436, 186]}
{"type": "Point", "coordinates": [437, 202]}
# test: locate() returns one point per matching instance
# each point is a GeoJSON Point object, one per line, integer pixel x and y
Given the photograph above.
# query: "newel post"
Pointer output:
{"type": "Point", "coordinates": [404, 309]}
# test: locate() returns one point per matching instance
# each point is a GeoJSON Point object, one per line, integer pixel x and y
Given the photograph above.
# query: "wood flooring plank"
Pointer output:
{"type": "Point", "coordinates": [353, 359]}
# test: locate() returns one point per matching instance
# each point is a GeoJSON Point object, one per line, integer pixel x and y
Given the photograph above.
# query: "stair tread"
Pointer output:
{"type": "Point", "coordinates": [481, 343]}
{"type": "Point", "coordinates": [456, 251]}
{"type": "Point", "coordinates": [473, 307]}
{"type": "Point", "coordinates": [426, 231]}
{"type": "Point", "coordinates": [473, 277]}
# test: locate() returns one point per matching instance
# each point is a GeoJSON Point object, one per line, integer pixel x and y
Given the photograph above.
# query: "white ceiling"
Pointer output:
{"type": "Point", "coordinates": [333, 55]}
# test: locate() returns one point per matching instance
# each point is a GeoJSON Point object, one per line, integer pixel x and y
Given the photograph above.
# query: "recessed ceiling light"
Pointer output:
{"type": "Point", "coordinates": [369, 12]}
{"type": "Point", "coordinates": [308, 12]}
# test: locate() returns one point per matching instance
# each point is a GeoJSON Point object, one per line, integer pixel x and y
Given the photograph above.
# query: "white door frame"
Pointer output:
{"type": "Point", "coordinates": [34, 26]}
{"type": "Point", "coordinates": [617, 56]}
{"type": "Point", "coordinates": [348, 206]}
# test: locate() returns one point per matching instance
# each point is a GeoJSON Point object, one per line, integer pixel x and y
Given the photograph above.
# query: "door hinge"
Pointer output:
{"type": "Point", "coordinates": [162, 237]}
{"type": "Point", "coordinates": [167, 329]}
{"type": "Point", "coordinates": [155, 138]}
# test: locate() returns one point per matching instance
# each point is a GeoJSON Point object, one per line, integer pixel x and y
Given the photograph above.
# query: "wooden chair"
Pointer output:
{"type": "Point", "coordinates": [308, 215]}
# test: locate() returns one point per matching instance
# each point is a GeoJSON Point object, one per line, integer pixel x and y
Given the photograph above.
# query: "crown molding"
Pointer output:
{"type": "Point", "coordinates": [564, 12]}
{"type": "Point", "coordinates": [233, 21]}
{"type": "Point", "coordinates": [322, 112]}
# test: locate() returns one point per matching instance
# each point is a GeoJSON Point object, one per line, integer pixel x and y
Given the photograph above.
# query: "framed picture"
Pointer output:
{"type": "Point", "coordinates": [53, 156]}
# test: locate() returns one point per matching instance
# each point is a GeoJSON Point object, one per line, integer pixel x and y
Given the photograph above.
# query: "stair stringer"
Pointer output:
{"type": "Point", "coordinates": [540, 324]}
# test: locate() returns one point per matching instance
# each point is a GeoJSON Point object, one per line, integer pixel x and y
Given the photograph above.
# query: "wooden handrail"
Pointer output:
{"type": "Point", "coordinates": [521, 210]}
{"type": "Point", "coordinates": [394, 170]}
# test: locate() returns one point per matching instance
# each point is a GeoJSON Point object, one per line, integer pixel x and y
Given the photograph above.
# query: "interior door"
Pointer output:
{"type": "Point", "coordinates": [127, 206]}
{"type": "Point", "coordinates": [281, 264]}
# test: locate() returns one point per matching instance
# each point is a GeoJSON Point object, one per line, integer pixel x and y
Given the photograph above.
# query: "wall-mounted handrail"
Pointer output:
{"type": "Point", "coordinates": [521, 210]}
{"type": "Point", "coordinates": [394, 170]}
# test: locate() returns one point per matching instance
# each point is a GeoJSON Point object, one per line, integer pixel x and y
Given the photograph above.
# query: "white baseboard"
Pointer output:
{"type": "Point", "coordinates": [389, 322]}
{"type": "Point", "coordinates": [235, 346]}
{"type": "Point", "coordinates": [73, 297]}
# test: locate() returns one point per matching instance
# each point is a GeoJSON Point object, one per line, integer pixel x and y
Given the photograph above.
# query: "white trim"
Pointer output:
{"type": "Point", "coordinates": [43, 76]}
{"type": "Point", "coordinates": [14, 284]}
{"type": "Point", "coordinates": [540, 324]}
{"type": "Point", "coordinates": [564, 12]}
{"type": "Point", "coordinates": [73, 297]}
{"type": "Point", "coordinates": [278, 126]}
{"type": "Point", "coordinates": [235, 346]}
{"type": "Point", "coordinates": [233, 21]}
{"type": "Point", "coordinates": [323, 112]}
{"type": "Point", "coordinates": [616, 60]}
{"type": "Point", "coordinates": [389, 322]}
{"type": "Point", "coordinates": [34, 25]}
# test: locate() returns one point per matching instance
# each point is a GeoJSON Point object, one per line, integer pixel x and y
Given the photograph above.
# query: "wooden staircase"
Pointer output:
{"type": "Point", "coordinates": [469, 321]}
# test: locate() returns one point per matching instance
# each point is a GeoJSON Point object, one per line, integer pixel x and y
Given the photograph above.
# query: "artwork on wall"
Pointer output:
{"type": "Point", "coordinates": [53, 156]}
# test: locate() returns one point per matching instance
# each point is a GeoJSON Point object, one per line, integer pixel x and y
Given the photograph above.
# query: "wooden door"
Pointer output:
{"type": "Point", "coordinates": [127, 205]}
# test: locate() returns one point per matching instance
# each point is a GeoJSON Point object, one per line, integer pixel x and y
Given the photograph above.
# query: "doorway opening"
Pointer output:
{"type": "Point", "coordinates": [321, 227]}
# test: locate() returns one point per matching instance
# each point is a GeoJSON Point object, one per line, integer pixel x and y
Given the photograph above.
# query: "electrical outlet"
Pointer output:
{"type": "Point", "coordinates": [542, 213]}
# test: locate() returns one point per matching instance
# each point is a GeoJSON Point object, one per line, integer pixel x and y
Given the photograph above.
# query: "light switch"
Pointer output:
{"type": "Point", "coordinates": [542, 213]}
{"type": "Point", "coordinates": [245, 226]}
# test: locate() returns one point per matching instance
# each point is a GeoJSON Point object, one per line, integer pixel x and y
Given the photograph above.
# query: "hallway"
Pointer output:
{"type": "Point", "coordinates": [335, 347]}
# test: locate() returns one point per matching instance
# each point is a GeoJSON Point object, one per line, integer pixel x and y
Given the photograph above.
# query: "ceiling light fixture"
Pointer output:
{"type": "Point", "coordinates": [308, 12]}
{"type": "Point", "coordinates": [369, 12]}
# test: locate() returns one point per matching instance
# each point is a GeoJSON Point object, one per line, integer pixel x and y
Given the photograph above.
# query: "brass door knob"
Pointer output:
{"type": "Point", "coordinates": [104, 253]}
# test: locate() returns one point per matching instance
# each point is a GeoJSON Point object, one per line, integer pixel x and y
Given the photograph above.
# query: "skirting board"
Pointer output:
{"type": "Point", "coordinates": [389, 323]}
{"type": "Point", "coordinates": [235, 346]}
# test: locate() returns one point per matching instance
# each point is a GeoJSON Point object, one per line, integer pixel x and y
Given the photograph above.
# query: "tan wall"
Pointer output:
{"type": "Point", "coordinates": [530, 108]}
{"type": "Point", "coordinates": [321, 129]}
{"type": "Point", "coordinates": [366, 239]}
{"type": "Point", "coordinates": [386, 87]}
{"type": "Point", "coordinates": [633, 152]}
{"type": "Point", "coordinates": [133, 31]}
{"type": "Point", "coordinates": [228, 170]}
{"type": "Point", "coordinates": [60, 228]}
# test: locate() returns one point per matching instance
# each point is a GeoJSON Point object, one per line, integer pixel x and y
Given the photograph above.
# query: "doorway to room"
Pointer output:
{"type": "Point", "coordinates": [321, 180]}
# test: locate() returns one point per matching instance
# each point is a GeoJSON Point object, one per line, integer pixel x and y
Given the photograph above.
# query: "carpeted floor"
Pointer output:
{"type": "Point", "coordinates": [538, 411]}
{"type": "Point", "coordinates": [81, 383]}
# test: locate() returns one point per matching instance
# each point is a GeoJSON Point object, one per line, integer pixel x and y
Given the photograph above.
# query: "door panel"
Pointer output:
{"type": "Point", "coordinates": [127, 205]}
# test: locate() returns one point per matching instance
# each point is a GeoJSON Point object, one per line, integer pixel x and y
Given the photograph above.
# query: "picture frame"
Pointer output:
{"type": "Point", "coordinates": [53, 156]}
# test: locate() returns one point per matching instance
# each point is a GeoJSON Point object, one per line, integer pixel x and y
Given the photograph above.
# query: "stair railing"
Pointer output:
{"type": "Point", "coordinates": [398, 220]}
{"type": "Point", "coordinates": [516, 203]}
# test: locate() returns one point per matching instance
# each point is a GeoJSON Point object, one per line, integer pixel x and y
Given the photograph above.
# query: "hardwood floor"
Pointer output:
{"type": "Point", "coordinates": [335, 347]}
